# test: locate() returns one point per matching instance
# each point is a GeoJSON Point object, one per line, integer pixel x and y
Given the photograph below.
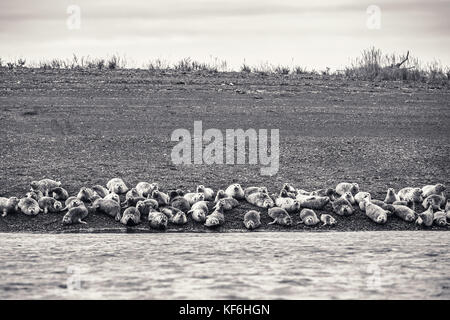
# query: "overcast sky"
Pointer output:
{"type": "Point", "coordinates": [314, 34]}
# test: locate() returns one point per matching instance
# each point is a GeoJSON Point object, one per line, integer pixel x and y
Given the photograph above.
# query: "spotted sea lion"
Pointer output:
{"type": "Point", "coordinates": [220, 195]}
{"type": "Point", "coordinates": [289, 188]}
{"type": "Point", "coordinates": [434, 200]}
{"type": "Point", "coordinates": [410, 195]}
{"type": "Point", "coordinates": [437, 189]}
{"type": "Point", "coordinates": [235, 191]}
{"type": "Point", "coordinates": [208, 192]}
{"type": "Point", "coordinates": [161, 197]}
{"type": "Point", "coordinates": [107, 206]}
{"type": "Point", "coordinates": [287, 203]}
{"type": "Point", "coordinates": [327, 219]}
{"type": "Point", "coordinates": [157, 220]}
{"type": "Point", "coordinates": [250, 190]}
{"type": "Point", "coordinates": [349, 197]}
{"type": "Point", "coordinates": [179, 202]}
{"type": "Point", "coordinates": [86, 194]}
{"type": "Point", "coordinates": [76, 215]}
{"type": "Point", "coordinates": [328, 192]}
{"type": "Point", "coordinates": [361, 195]}
{"type": "Point", "coordinates": [391, 196]}
{"type": "Point", "coordinates": [426, 218]}
{"type": "Point", "coordinates": [101, 191]}
{"type": "Point", "coordinates": [50, 204]}
{"type": "Point", "coordinates": [199, 211]}
{"type": "Point", "coordinates": [9, 205]}
{"type": "Point", "coordinates": [131, 217]}
{"type": "Point", "coordinates": [36, 195]}
{"type": "Point", "coordinates": [228, 203]}
{"type": "Point", "coordinates": [145, 206]}
{"type": "Point", "coordinates": [193, 197]}
{"type": "Point", "coordinates": [117, 185]}
{"type": "Point", "coordinates": [29, 206]}
{"type": "Point", "coordinates": [260, 199]}
{"type": "Point", "coordinates": [404, 213]}
{"type": "Point", "coordinates": [44, 185]}
{"type": "Point", "coordinates": [179, 218]}
{"type": "Point", "coordinates": [382, 204]}
{"type": "Point", "coordinates": [72, 202]}
{"type": "Point", "coordinates": [312, 202]}
{"type": "Point", "coordinates": [279, 216]}
{"type": "Point", "coordinates": [374, 212]}
{"type": "Point", "coordinates": [113, 196]}
{"type": "Point", "coordinates": [343, 207]}
{"type": "Point", "coordinates": [440, 219]}
{"type": "Point", "coordinates": [344, 187]}
{"type": "Point", "coordinates": [308, 217]}
{"type": "Point", "coordinates": [216, 218]}
{"type": "Point", "coordinates": [146, 189]}
{"type": "Point", "coordinates": [252, 219]}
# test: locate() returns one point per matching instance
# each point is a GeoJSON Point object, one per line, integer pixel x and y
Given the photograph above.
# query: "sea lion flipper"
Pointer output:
{"type": "Point", "coordinates": [273, 222]}
{"type": "Point", "coordinates": [82, 222]}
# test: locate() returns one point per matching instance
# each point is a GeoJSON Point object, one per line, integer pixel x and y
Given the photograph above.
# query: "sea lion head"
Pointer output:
{"type": "Point", "coordinates": [34, 185]}
{"type": "Point", "coordinates": [382, 218]}
{"type": "Point", "coordinates": [417, 195]}
{"type": "Point", "coordinates": [57, 205]}
{"type": "Point", "coordinates": [287, 220]}
{"type": "Point", "coordinates": [440, 188]}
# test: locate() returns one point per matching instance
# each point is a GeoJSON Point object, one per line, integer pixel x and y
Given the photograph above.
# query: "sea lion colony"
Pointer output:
{"type": "Point", "coordinates": [146, 202]}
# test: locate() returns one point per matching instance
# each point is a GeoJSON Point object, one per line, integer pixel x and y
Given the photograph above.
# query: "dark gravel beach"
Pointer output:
{"type": "Point", "coordinates": [86, 127]}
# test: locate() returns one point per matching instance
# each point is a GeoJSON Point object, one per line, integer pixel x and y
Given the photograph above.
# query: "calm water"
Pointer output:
{"type": "Point", "coordinates": [214, 266]}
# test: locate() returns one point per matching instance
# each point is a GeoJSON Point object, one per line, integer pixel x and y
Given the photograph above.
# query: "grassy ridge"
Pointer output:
{"type": "Point", "coordinates": [372, 65]}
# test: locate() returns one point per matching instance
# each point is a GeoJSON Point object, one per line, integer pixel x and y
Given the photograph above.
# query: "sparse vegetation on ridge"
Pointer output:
{"type": "Point", "coordinates": [372, 65]}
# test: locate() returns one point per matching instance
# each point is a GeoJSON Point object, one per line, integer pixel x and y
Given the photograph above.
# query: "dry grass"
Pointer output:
{"type": "Point", "coordinates": [371, 65]}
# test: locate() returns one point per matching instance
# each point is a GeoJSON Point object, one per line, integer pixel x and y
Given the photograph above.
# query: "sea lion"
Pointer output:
{"type": "Point", "coordinates": [179, 202]}
{"type": "Point", "coordinates": [344, 187]}
{"type": "Point", "coordinates": [131, 217]}
{"type": "Point", "coordinates": [145, 206]}
{"type": "Point", "coordinates": [75, 215]}
{"type": "Point", "coordinates": [161, 197]}
{"type": "Point", "coordinates": [426, 218]}
{"type": "Point", "coordinates": [308, 217]}
{"type": "Point", "coordinates": [248, 191]}
{"type": "Point", "coordinates": [59, 194]}
{"type": "Point", "coordinates": [9, 205]}
{"type": "Point", "coordinates": [193, 197]}
{"type": "Point", "coordinates": [131, 202]}
{"type": "Point", "coordinates": [29, 206]}
{"type": "Point", "coordinates": [391, 196]}
{"type": "Point", "coordinates": [228, 203]}
{"type": "Point", "coordinates": [235, 191]}
{"type": "Point", "coordinates": [44, 185]}
{"type": "Point", "coordinates": [342, 207]}
{"type": "Point", "coordinates": [72, 202]}
{"type": "Point", "coordinates": [208, 192]}
{"type": "Point", "coordinates": [216, 218]}
{"type": "Point", "coordinates": [384, 206]}
{"type": "Point", "coordinates": [411, 195]}
{"type": "Point", "coordinates": [312, 202]}
{"type": "Point", "coordinates": [260, 199]}
{"type": "Point", "coordinates": [327, 219]}
{"type": "Point", "coordinates": [49, 204]}
{"type": "Point", "coordinates": [279, 216]}
{"type": "Point", "coordinates": [328, 192]}
{"type": "Point", "coordinates": [132, 193]}
{"type": "Point", "coordinates": [157, 220]}
{"type": "Point", "coordinates": [199, 211]}
{"type": "Point", "coordinates": [404, 213]}
{"type": "Point", "coordinates": [146, 189]}
{"type": "Point", "coordinates": [36, 195]}
{"type": "Point", "coordinates": [437, 189]}
{"type": "Point", "coordinates": [289, 188]}
{"type": "Point", "coordinates": [107, 206]}
{"type": "Point", "coordinates": [288, 204]}
{"type": "Point", "coordinates": [113, 196]}
{"type": "Point", "coordinates": [252, 219]}
{"type": "Point", "coordinates": [361, 195]}
{"type": "Point", "coordinates": [434, 200]}
{"type": "Point", "coordinates": [349, 197]}
{"type": "Point", "coordinates": [179, 218]}
{"type": "Point", "coordinates": [117, 185]}
{"type": "Point", "coordinates": [440, 219]}
{"type": "Point", "coordinates": [374, 212]}
{"type": "Point", "coordinates": [86, 195]}
{"type": "Point", "coordinates": [220, 195]}
{"type": "Point", "coordinates": [101, 191]}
